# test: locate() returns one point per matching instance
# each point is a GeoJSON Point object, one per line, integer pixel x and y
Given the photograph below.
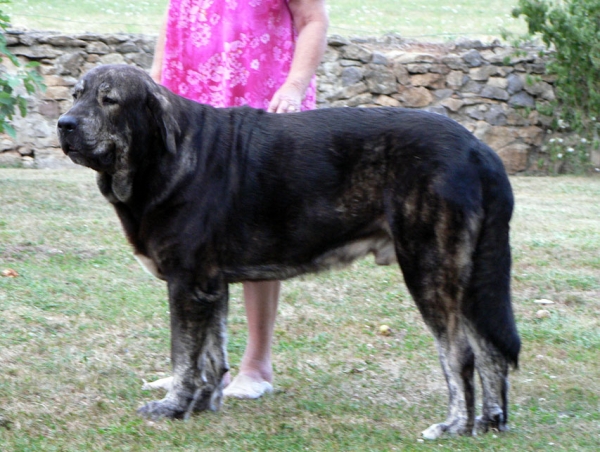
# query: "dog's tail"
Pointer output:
{"type": "Point", "coordinates": [488, 301]}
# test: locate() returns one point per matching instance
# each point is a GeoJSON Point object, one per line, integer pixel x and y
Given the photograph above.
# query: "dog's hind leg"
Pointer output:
{"type": "Point", "coordinates": [198, 349]}
{"type": "Point", "coordinates": [434, 244]}
{"type": "Point", "coordinates": [492, 331]}
{"type": "Point", "coordinates": [493, 371]}
{"type": "Point", "coordinates": [492, 365]}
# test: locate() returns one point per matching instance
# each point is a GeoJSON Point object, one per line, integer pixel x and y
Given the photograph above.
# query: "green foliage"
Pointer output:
{"type": "Point", "coordinates": [567, 154]}
{"type": "Point", "coordinates": [571, 29]}
{"type": "Point", "coordinates": [25, 76]}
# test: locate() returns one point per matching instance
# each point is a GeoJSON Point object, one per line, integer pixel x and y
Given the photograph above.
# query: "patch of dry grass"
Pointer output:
{"type": "Point", "coordinates": [82, 325]}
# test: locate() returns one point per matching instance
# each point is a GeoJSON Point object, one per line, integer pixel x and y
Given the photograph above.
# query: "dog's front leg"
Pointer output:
{"type": "Point", "coordinates": [198, 349]}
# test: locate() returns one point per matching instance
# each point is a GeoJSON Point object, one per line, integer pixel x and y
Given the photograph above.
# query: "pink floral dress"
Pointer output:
{"type": "Point", "coordinates": [229, 52]}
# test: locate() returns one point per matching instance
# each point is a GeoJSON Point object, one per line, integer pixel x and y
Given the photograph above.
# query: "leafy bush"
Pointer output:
{"type": "Point", "coordinates": [25, 76]}
{"type": "Point", "coordinates": [571, 28]}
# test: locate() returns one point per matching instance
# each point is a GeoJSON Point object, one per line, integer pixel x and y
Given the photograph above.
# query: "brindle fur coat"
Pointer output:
{"type": "Point", "coordinates": [209, 197]}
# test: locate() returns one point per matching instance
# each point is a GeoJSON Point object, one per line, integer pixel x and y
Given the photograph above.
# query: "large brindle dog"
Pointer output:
{"type": "Point", "coordinates": [209, 197]}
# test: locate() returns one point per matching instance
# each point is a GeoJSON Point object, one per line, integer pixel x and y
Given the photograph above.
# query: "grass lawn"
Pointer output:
{"type": "Point", "coordinates": [82, 325]}
{"type": "Point", "coordinates": [432, 20]}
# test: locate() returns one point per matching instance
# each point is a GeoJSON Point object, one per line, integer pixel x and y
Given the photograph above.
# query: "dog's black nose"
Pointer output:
{"type": "Point", "coordinates": [67, 123]}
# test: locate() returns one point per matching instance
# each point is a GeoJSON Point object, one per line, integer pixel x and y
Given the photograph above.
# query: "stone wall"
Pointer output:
{"type": "Point", "coordinates": [486, 88]}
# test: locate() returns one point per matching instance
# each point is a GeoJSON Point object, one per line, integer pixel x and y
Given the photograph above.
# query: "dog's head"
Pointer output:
{"type": "Point", "coordinates": [117, 111]}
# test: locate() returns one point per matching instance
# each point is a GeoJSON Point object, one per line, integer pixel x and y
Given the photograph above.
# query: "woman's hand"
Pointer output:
{"type": "Point", "coordinates": [311, 21]}
{"type": "Point", "coordinates": [287, 99]}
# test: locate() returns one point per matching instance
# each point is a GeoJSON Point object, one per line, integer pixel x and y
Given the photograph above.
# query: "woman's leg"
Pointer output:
{"type": "Point", "coordinates": [256, 370]}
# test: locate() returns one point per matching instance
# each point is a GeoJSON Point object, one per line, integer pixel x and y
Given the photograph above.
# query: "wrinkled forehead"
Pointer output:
{"type": "Point", "coordinates": [122, 81]}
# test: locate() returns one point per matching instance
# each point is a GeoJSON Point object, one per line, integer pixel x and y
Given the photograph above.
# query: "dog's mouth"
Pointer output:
{"type": "Point", "coordinates": [73, 153]}
{"type": "Point", "coordinates": [76, 156]}
{"type": "Point", "coordinates": [101, 159]}
{"type": "Point", "coordinates": [69, 149]}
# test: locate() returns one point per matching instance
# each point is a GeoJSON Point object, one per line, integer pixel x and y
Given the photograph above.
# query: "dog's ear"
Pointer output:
{"type": "Point", "coordinates": [162, 112]}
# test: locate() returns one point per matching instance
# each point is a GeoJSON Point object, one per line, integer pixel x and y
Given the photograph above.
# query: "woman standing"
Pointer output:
{"type": "Point", "coordinates": [261, 53]}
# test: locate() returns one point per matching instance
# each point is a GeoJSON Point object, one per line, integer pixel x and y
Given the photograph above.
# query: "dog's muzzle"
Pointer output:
{"type": "Point", "coordinates": [67, 125]}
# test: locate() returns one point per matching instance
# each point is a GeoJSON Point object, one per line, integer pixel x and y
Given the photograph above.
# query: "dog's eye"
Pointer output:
{"type": "Point", "coordinates": [109, 100]}
{"type": "Point", "coordinates": [75, 95]}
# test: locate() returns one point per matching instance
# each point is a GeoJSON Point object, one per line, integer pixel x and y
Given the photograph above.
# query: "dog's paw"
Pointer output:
{"type": "Point", "coordinates": [162, 409]}
{"type": "Point", "coordinates": [454, 427]}
{"type": "Point", "coordinates": [495, 420]}
{"type": "Point", "coordinates": [434, 431]}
